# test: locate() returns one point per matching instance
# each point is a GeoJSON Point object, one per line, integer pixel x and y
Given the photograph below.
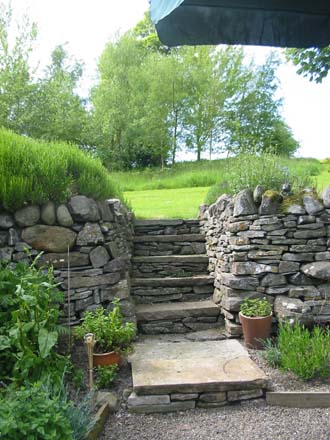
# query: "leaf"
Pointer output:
{"type": "Point", "coordinates": [46, 341]}
{"type": "Point", "coordinates": [4, 342]}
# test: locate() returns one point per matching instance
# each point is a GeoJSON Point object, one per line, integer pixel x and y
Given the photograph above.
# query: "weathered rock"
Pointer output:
{"type": "Point", "coordinates": [295, 209]}
{"type": "Point", "coordinates": [6, 253]}
{"type": "Point", "coordinates": [319, 270]}
{"type": "Point", "coordinates": [287, 267]}
{"type": "Point", "coordinates": [270, 203]}
{"type": "Point", "coordinates": [84, 209]}
{"type": "Point", "coordinates": [49, 238]}
{"type": "Point", "coordinates": [3, 238]}
{"type": "Point", "coordinates": [244, 204]}
{"type": "Point", "coordinates": [28, 216]}
{"type": "Point", "coordinates": [113, 249]}
{"type": "Point", "coordinates": [300, 279]}
{"type": "Point", "coordinates": [312, 205]}
{"type": "Point", "coordinates": [13, 237]}
{"type": "Point", "coordinates": [287, 309]}
{"type": "Point", "coordinates": [312, 233]}
{"type": "Point", "coordinates": [326, 197]}
{"type": "Point", "coordinates": [60, 260]}
{"type": "Point", "coordinates": [251, 268]}
{"type": "Point", "coordinates": [100, 280]}
{"type": "Point", "coordinates": [135, 400]}
{"type": "Point", "coordinates": [324, 290]}
{"type": "Point", "coordinates": [257, 194]}
{"type": "Point", "coordinates": [213, 397]}
{"type": "Point", "coordinates": [120, 290]}
{"type": "Point", "coordinates": [105, 211]}
{"type": "Point", "coordinates": [48, 215]}
{"type": "Point", "coordinates": [63, 216]}
{"type": "Point", "coordinates": [232, 299]}
{"type": "Point", "coordinates": [6, 221]}
{"type": "Point", "coordinates": [99, 256]}
{"type": "Point", "coordinates": [306, 292]}
{"type": "Point", "coordinates": [272, 279]}
{"type": "Point", "coordinates": [183, 396]}
{"type": "Point", "coordinates": [90, 234]}
{"type": "Point", "coordinates": [303, 256]}
{"type": "Point", "coordinates": [234, 396]}
{"type": "Point", "coordinates": [241, 283]}
{"type": "Point", "coordinates": [116, 265]}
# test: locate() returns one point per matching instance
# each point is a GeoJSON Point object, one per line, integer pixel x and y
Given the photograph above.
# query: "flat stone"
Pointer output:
{"type": "Point", "coordinates": [192, 367]}
{"type": "Point", "coordinates": [241, 283]}
{"type": "Point", "coordinates": [234, 396]}
{"type": "Point", "coordinates": [251, 268]}
{"type": "Point", "coordinates": [287, 267]}
{"type": "Point", "coordinates": [83, 208]}
{"type": "Point", "coordinates": [135, 400]}
{"type": "Point", "coordinates": [213, 397]}
{"type": "Point", "coordinates": [49, 238]}
{"type": "Point", "coordinates": [312, 205]}
{"type": "Point", "coordinates": [326, 197]}
{"type": "Point", "coordinates": [173, 282]}
{"type": "Point", "coordinates": [63, 216]}
{"type": "Point", "coordinates": [99, 256]}
{"type": "Point", "coordinates": [184, 396]}
{"type": "Point", "coordinates": [296, 399]}
{"type": "Point", "coordinates": [244, 204]}
{"type": "Point", "coordinates": [307, 292]}
{"type": "Point", "coordinates": [168, 238]}
{"type": "Point", "coordinates": [319, 270]}
{"type": "Point", "coordinates": [273, 280]}
{"type": "Point", "coordinates": [154, 312]}
{"type": "Point", "coordinates": [81, 281]}
{"type": "Point", "coordinates": [172, 259]}
{"type": "Point", "coordinates": [6, 221]}
{"type": "Point", "coordinates": [296, 209]}
{"type": "Point", "coordinates": [270, 204]}
{"type": "Point", "coordinates": [292, 308]}
{"type": "Point", "coordinates": [28, 216]}
{"type": "Point", "coordinates": [105, 211]}
{"type": "Point", "coordinates": [160, 222]}
{"type": "Point", "coordinates": [59, 260]}
{"type": "Point", "coordinates": [303, 256]}
{"type": "Point", "coordinates": [90, 234]}
{"type": "Point", "coordinates": [48, 213]}
{"type": "Point", "coordinates": [257, 193]}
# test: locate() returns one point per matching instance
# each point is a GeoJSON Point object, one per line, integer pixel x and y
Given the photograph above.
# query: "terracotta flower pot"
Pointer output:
{"type": "Point", "coordinates": [106, 358]}
{"type": "Point", "coordinates": [255, 330]}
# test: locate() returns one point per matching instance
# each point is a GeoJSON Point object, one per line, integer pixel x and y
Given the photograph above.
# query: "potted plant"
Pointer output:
{"type": "Point", "coordinates": [113, 336]}
{"type": "Point", "coordinates": [256, 318]}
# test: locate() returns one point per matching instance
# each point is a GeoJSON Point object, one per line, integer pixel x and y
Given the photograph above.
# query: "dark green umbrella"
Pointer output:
{"type": "Point", "coordinates": [283, 23]}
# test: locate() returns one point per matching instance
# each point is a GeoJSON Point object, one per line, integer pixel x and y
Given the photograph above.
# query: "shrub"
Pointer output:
{"type": "Point", "coordinates": [106, 375]}
{"type": "Point", "coordinates": [256, 307]}
{"type": "Point", "coordinates": [34, 172]}
{"type": "Point", "coordinates": [29, 312]}
{"type": "Point", "coordinates": [249, 170]}
{"type": "Point", "coordinates": [304, 352]}
{"type": "Point", "coordinates": [42, 412]}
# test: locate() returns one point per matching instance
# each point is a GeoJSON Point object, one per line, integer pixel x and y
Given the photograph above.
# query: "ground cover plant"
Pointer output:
{"type": "Point", "coordinates": [35, 172]}
{"type": "Point", "coordinates": [300, 350]}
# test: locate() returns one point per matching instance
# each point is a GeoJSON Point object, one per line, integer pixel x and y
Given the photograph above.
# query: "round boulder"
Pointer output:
{"type": "Point", "coordinates": [28, 216]}
{"type": "Point", "coordinates": [48, 213]}
{"type": "Point", "coordinates": [49, 238]}
{"type": "Point", "coordinates": [63, 216]}
{"type": "Point", "coordinates": [319, 270]}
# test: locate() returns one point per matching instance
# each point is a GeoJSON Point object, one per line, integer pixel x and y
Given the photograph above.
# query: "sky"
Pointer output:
{"type": "Point", "coordinates": [87, 25]}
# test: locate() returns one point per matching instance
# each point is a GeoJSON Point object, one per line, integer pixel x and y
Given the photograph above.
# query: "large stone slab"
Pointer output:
{"type": "Point", "coordinates": [200, 280]}
{"type": "Point", "coordinates": [176, 310]}
{"type": "Point", "coordinates": [49, 238]}
{"type": "Point", "coordinates": [169, 238]}
{"type": "Point", "coordinates": [193, 367]}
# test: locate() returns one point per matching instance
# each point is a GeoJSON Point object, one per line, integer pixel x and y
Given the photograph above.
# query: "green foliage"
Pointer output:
{"type": "Point", "coordinates": [271, 353]}
{"type": "Point", "coordinates": [42, 412]}
{"type": "Point", "coordinates": [314, 62]}
{"type": "Point", "coordinates": [111, 333]}
{"type": "Point", "coordinates": [35, 172]}
{"type": "Point", "coordinates": [29, 312]}
{"type": "Point", "coordinates": [256, 307]}
{"type": "Point", "coordinates": [106, 375]}
{"type": "Point", "coordinates": [249, 170]}
{"type": "Point", "coordinates": [304, 352]}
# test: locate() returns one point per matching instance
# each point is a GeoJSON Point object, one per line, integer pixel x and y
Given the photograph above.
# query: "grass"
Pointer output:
{"type": "Point", "coordinates": [33, 172]}
{"type": "Point", "coordinates": [168, 203]}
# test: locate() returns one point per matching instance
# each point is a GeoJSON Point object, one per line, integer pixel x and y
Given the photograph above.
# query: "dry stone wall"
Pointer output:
{"type": "Point", "coordinates": [265, 244]}
{"type": "Point", "coordinates": [88, 243]}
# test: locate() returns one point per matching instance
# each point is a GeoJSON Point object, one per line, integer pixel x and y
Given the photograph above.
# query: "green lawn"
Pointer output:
{"type": "Point", "coordinates": [167, 203]}
{"type": "Point", "coordinates": [323, 179]}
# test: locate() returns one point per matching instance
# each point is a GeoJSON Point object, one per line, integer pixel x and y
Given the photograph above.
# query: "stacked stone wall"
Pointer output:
{"type": "Point", "coordinates": [263, 245]}
{"type": "Point", "coordinates": [88, 243]}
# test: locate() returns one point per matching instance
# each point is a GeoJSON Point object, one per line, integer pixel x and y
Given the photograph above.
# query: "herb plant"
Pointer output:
{"type": "Point", "coordinates": [106, 375]}
{"type": "Point", "coordinates": [256, 307]}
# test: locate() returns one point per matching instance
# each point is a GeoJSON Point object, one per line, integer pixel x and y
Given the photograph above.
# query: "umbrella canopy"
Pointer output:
{"type": "Point", "coordinates": [281, 23]}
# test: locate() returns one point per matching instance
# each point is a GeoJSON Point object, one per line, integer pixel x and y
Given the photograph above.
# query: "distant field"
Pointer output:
{"type": "Point", "coordinates": [167, 203]}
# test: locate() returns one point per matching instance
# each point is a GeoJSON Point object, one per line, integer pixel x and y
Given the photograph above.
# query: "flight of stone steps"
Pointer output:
{"type": "Point", "coordinates": [170, 282]}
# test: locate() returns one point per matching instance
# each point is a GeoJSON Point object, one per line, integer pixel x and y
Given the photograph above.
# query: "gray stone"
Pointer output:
{"type": "Point", "coordinates": [312, 205]}
{"type": "Point", "coordinates": [287, 267]}
{"type": "Point", "coordinates": [298, 257]}
{"type": "Point", "coordinates": [183, 396]}
{"type": "Point", "coordinates": [306, 219]}
{"type": "Point", "coordinates": [232, 299]}
{"type": "Point", "coordinates": [270, 203]}
{"type": "Point", "coordinates": [116, 265]}
{"type": "Point", "coordinates": [300, 279]}
{"type": "Point", "coordinates": [28, 216]}
{"type": "Point", "coordinates": [257, 194]}
{"type": "Point", "coordinates": [324, 290]}
{"type": "Point", "coordinates": [3, 238]}
{"type": "Point", "coordinates": [99, 256]}
{"type": "Point", "coordinates": [6, 221]}
{"type": "Point", "coordinates": [251, 268]}
{"type": "Point", "coordinates": [135, 400]}
{"type": "Point", "coordinates": [179, 310]}
{"type": "Point", "coordinates": [313, 233]}
{"type": "Point", "coordinates": [234, 396]}
{"type": "Point", "coordinates": [321, 256]}
{"type": "Point", "coordinates": [241, 283]}
{"type": "Point", "coordinates": [81, 281]}
{"type": "Point", "coordinates": [319, 270]}
{"type": "Point", "coordinates": [105, 211]}
{"type": "Point", "coordinates": [213, 397]}
{"type": "Point", "coordinates": [60, 260]}
{"type": "Point", "coordinates": [244, 204]}
{"type": "Point", "coordinates": [264, 254]}
{"type": "Point", "coordinates": [13, 237]}
{"type": "Point", "coordinates": [48, 215]}
{"type": "Point", "coordinates": [296, 209]}
{"type": "Point", "coordinates": [120, 290]}
{"type": "Point", "coordinates": [113, 249]}
{"type": "Point", "coordinates": [273, 280]}
{"type": "Point", "coordinates": [294, 309]}
{"type": "Point", "coordinates": [326, 197]}
{"type": "Point", "coordinates": [6, 253]}
{"type": "Point", "coordinates": [306, 292]}
{"type": "Point", "coordinates": [90, 234]}
{"type": "Point", "coordinates": [49, 238]}
{"type": "Point", "coordinates": [83, 208]}
{"type": "Point", "coordinates": [63, 216]}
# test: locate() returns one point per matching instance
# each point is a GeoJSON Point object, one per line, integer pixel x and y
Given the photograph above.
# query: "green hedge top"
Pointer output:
{"type": "Point", "coordinates": [33, 172]}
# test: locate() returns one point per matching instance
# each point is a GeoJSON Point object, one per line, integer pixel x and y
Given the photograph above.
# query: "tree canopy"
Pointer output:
{"type": "Point", "coordinates": [313, 63]}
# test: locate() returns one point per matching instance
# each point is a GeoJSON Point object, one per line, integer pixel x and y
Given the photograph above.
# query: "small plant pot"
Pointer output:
{"type": "Point", "coordinates": [106, 358]}
{"type": "Point", "coordinates": [255, 330]}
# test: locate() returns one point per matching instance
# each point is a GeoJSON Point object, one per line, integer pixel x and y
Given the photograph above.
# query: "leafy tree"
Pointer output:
{"type": "Point", "coordinates": [313, 63]}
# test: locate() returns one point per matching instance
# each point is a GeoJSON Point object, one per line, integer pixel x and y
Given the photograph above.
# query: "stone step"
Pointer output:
{"type": "Point", "coordinates": [166, 227]}
{"type": "Point", "coordinates": [172, 376]}
{"type": "Point", "coordinates": [164, 222]}
{"type": "Point", "coordinates": [178, 317]}
{"type": "Point", "coordinates": [175, 259]}
{"type": "Point", "coordinates": [169, 238]}
{"type": "Point", "coordinates": [150, 295]}
{"type": "Point", "coordinates": [199, 280]}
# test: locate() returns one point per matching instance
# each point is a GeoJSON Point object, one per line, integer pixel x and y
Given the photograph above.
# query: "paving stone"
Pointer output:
{"type": "Point", "coordinates": [213, 397]}
{"type": "Point", "coordinates": [192, 367]}
{"type": "Point", "coordinates": [183, 396]}
{"type": "Point", "coordinates": [154, 312]}
{"type": "Point", "coordinates": [233, 396]}
{"type": "Point", "coordinates": [138, 400]}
